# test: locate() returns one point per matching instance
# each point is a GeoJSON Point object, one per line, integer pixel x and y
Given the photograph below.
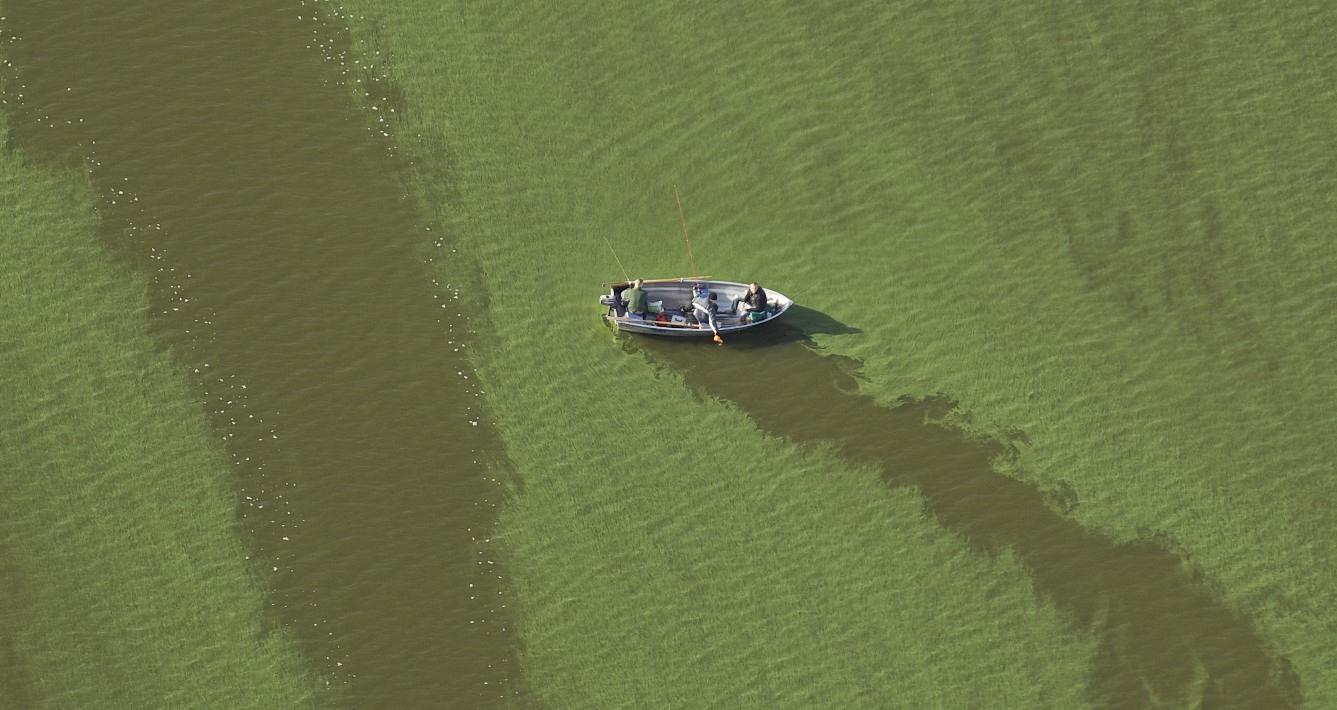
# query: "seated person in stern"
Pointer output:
{"type": "Point", "coordinates": [752, 306]}
{"type": "Point", "coordinates": [636, 300]}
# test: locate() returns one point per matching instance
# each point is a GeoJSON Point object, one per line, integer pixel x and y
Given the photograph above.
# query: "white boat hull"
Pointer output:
{"type": "Point", "coordinates": [677, 292]}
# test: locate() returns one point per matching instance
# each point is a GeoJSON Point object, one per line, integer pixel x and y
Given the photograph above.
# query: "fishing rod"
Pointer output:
{"type": "Point", "coordinates": [619, 261]}
{"type": "Point", "coordinates": [682, 218]}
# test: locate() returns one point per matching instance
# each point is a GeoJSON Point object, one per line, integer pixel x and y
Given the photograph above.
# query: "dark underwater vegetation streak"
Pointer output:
{"type": "Point", "coordinates": [238, 169]}
{"type": "Point", "coordinates": [1163, 634]}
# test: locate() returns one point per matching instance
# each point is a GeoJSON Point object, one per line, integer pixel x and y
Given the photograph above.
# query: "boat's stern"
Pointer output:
{"type": "Point", "coordinates": [613, 299]}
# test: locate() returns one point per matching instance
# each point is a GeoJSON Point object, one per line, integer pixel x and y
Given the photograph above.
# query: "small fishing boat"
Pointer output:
{"type": "Point", "coordinates": [672, 316]}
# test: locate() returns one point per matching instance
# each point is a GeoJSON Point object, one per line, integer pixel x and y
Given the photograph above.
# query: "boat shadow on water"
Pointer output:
{"type": "Point", "coordinates": [1163, 634]}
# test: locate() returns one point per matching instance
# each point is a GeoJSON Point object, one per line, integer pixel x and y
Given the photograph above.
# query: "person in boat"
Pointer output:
{"type": "Point", "coordinates": [704, 307]}
{"type": "Point", "coordinates": [752, 306]}
{"type": "Point", "coordinates": [635, 300]}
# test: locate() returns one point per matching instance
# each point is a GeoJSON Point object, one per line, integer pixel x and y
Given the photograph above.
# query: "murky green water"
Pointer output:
{"type": "Point", "coordinates": [291, 280]}
{"type": "Point", "coordinates": [1163, 635]}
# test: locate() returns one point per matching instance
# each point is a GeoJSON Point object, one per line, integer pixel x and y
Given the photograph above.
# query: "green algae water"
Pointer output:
{"type": "Point", "coordinates": [1163, 636]}
{"type": "Point", "coordinates": [964, 160]}
{"type": "Point", "coordinates": [291, 279]}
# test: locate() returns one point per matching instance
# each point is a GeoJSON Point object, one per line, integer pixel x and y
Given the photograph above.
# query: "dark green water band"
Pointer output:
{"type": "Point", "coordinates": [290, 279]}
{"type": "Point", "coordinates": [1160, 628]}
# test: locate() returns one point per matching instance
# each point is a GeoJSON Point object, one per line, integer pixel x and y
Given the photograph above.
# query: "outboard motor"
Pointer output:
{"type": "Point", "coordinates": [614, 301]}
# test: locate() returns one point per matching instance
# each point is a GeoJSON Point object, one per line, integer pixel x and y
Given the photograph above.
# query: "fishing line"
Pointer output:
{"type": "Point", "coordinates": [619, 261]}
{"type": "Point", "coordinates": [682, 217]}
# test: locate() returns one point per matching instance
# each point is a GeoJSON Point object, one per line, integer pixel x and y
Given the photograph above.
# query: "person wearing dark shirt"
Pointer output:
{"type": "Point", "coordinates": [752, 306]}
